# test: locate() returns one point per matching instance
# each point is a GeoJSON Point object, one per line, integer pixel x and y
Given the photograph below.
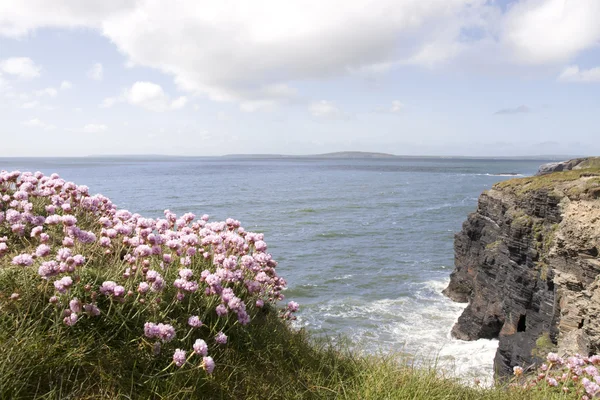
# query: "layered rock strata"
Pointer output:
{"type": "Point", "coordinates": [527, 262]}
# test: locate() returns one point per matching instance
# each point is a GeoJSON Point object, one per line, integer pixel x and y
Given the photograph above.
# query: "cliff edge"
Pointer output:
{"type": "Point", "coordinates": [527, 262]}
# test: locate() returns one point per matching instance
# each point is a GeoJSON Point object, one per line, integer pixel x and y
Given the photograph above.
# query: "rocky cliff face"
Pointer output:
{"type": "Point", "coordinates": [527, 261]}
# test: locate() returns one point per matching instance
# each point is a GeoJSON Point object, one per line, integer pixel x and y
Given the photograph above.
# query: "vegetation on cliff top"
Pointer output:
{"type": "Point", "coordinates": [581, 183]}
{"type": "Point", "coordinates": [97, 302]}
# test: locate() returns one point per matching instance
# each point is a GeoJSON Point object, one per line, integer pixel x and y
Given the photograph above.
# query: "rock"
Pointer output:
{"type": "Point", "coordinates": [561, 166]}
{"type": "Point", "coordinates": [527, 263]}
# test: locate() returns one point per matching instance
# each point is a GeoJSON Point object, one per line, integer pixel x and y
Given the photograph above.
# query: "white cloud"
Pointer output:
{"type": "Point", "coordinates": [30, 104]}
{"type": "Point", "coordinates": [325, 109]}
{"type": "Point", "coordinates": [397, 106]}
{"type": "Point", "coordinates": [574, 74]}
{"type": "Point", "coordinates": [146, 95]}
{"type": "Point", "coordinates": [250, 52]}
{"type": "Point", "coordinates": [65, 85]}
{"type": "Point", "coordinates": [22, 67]}
{"type": "Point", "coordinates": [550, 31]}
{"type": "Point", "coordinates": [95, 128]}
{"type": "Point", "coordinates": [96, 72]}
{"type": "Point", "coordinates": [49, 91]}
{"type": "Point", "coordinates": [36, 123]}
{"type": "Point", "coordinates": [179, 102]}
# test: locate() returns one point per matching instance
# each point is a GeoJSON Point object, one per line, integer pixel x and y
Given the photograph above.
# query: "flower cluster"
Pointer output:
{"type": "Point", "coordinates": [576, 374]}
{"type": "Point", "coordinates": [58, 229]}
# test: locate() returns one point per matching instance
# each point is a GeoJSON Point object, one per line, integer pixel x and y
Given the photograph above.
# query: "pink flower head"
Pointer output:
{"type": "Point", "coordinates": [42, 250]}
{"type": "Point", "coordinates": [75, 305]}
{"type": "Point", "coordinates": [208, 364]}
{"type": "Point", "coordinates": [221, 310]}
{"type": "Point", "coordinates": [221, 338]}
{"type": "Point", "coordinates": [179, 357]}
{"type": "Point", "coordinates": [63, 284]}
{"type": "Point", "coordinates": [143, 287]}
{"type": "Point", "coordinates": [194, 321]}
{"type": "Point", "coordinates": [200, 347]}
{"type": "Point", "coordinates": [24, 260]}
{"type": "Point", "coordinates": [293, 306]}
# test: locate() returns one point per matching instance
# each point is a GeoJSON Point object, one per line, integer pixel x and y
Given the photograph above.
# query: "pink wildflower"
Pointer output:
{"type": "Point", "coordinates": [221, 338]}
{"type": "Point", "coordinates": [200, 347]}
{"type": "Point", "coordinates": [194, 321]}
{"type": "Point", "coordinates": [179, 357]}
{"type": "Point", "coordinates": [208, 364]}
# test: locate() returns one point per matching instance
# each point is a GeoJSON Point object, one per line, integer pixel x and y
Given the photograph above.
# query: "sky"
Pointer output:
{"type": "Point", "coordinates": [204, 78]}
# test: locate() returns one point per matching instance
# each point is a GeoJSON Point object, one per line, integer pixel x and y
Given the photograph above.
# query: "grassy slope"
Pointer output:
{"type": "Point", "coordinates": [106, 357]}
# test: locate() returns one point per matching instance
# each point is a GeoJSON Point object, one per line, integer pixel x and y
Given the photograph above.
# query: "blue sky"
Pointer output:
{"type": "Point", "coordinates": [414, 77]}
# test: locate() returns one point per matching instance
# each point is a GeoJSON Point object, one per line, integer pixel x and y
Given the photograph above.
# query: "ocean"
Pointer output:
{"type": "Point", "coordinates": [366, 245]}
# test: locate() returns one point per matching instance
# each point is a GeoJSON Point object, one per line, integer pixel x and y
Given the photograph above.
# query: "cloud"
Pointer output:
{"type": "Point", "coordinates": [250, 53]}
{"type": "Point", "coordinates": [146, 95]}
{"type": "Point", "coordinates": [574, 74]}
{"type": "Point", "coordinates": [95, 128]}
{"type": "Point", "coordinates": [66, 85]}
{"type": "Point", "coordinates": [179, 102]}
{"type": "Point", "coordinates": [326, 110]}
{"type": "Point", "coordinates": [550, 31]}
{"type": "Point", "coordinates": [22, 67]}
{"type": "Point", "coordinates": [397, 106]}
{"type": "Point", "coordinates": [517, 110]}
{"type": "Point", "coordinates": [96, 72]}
{"type": "Point", "coordinates": [30, 104]}
{"type": "Point", "coordinates": [36, 123]}
{"type": "Point", "coordinates": [49, 91]}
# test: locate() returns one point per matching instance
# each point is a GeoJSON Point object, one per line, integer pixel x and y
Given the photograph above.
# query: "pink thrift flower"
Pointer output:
{"type": "Point", "coordinates": [221, 310]}
{"type": "Point", "coordinates": [292, 306]}
{"type": "Point", "coordinates": [71, 320]}
{"type": "Point", "coordinates": [143, 287]}
{"type": "Point", "coordinates": [208, 364]}
{"type": "Point", "coordinates": [24, 260]}
{"type": "Point", "coordinates": [221, 338]}
{"type": "Point", "coordinates": [75, 305]}
{"type": "Point", "coordinates": [200, 347]}
{"type": "Point", "coordinates": [194, 321]}
{"type": "Point", "coordinates": [179, 357]}
{"type": "Point", "coordinates": [42, 250]}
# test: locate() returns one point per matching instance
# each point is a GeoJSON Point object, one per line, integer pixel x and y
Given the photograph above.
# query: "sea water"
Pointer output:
{"type": "Point", "coordinates": [366, 245]}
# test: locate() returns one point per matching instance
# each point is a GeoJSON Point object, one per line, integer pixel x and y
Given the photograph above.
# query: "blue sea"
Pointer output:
{"type": "Point", "coordinates": [366, 245]}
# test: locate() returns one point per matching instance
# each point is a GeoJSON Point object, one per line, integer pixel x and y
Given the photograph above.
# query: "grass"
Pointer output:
{"type": "Point", "coordinates": [580, 183]}
{"type": "Point", "coordinates": [108, 357]}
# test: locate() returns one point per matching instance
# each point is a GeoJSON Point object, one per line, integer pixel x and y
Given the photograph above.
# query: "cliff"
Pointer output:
{"type": "Point", "coordinates": [527, 263]}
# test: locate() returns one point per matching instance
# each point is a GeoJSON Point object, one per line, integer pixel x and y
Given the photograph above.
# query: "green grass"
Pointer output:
{"type": "Point", "coordinates": [108, 357]}
{"type": "Point", "coordinates": [580, 183]}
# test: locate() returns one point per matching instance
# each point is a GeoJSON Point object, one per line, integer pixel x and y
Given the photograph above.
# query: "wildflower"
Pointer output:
{"type": "Point", "coordinates": [179, 357]}
{"type": "Point", "coordinates": [194, 321]}
{"type": "Point", "coordinates": [221, 310]}
{"type": "Point", "coordinates": [42, 250]}
{"type": "Point", "coordinates": [75, 305]}
{"type": "Point", "coordinates": [552, 382]}
{"type": "Point", "coordinates": [208, 364]}
{"type": "Point", "coordinates": [92, 310]}
{"type": "Point", "coordinates": [143, 287]}
{"type": "Point", "coordinates": [63, 284]}
{"type": "Point", "coordinates": [200, 347]}
{"type": "Point", "coordinates": [221, 338]}
{"type": "Point", "coordinates": [71, 319]}
{"type": "Point", "coordinates": [518, 371]}
{"type": "Point", "coordinates": [15, 296]}
{"type": "Point", "coordinates": [554, 358]}
{"type": "Point", "coordinates": [24, 260]}
{"type": "Point", "coordinates": [292, 306]}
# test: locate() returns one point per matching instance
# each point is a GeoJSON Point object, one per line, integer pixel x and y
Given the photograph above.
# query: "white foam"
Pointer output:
{"type": "Point", "coordinates": [418, 325]}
